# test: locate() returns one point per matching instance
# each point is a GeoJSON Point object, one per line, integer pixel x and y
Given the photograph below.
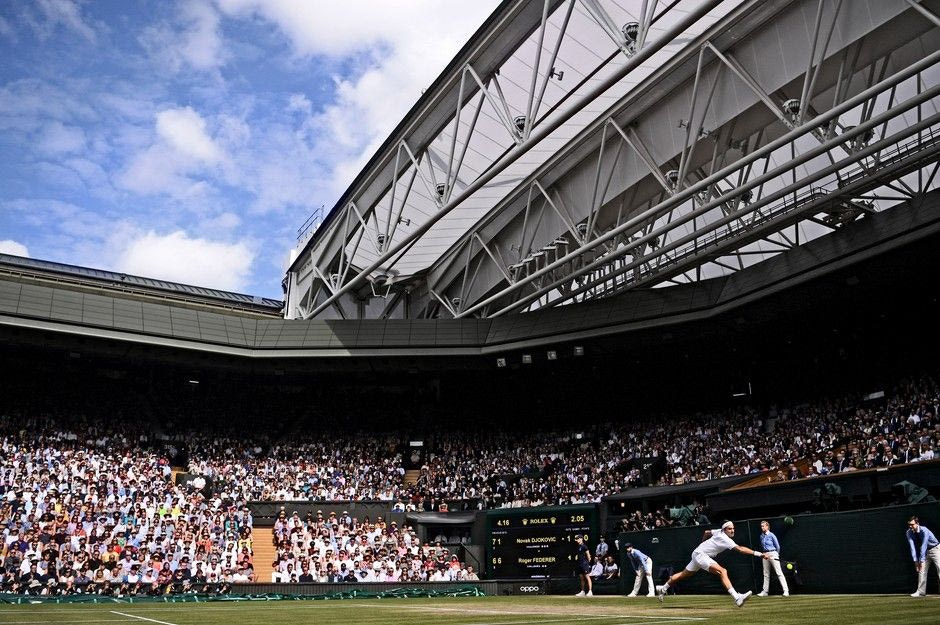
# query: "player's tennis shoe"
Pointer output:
{"type": "Point", "coordinates": [660, 593]}
{"type": "Point", "coordinates": [762, 594]}
{"type": "Point", "coordinates": [580, 594]}
{"type": "Point", "coordinates": [590, 593]}
{"type": "Point", "coordinates": [918, 594]}
{"type": "Point", "coordinates": [741, 598]}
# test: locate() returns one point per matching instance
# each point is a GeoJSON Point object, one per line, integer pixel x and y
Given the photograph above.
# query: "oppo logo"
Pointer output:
{"type": "Point", "coordinates": [528, 588]}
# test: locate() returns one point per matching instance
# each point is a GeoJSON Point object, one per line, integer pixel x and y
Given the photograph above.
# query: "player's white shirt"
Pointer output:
{"type": "Point", "coordinates": [716, 544]}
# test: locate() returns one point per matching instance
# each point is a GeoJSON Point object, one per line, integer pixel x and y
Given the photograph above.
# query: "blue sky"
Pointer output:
{"type": "Point", "coordinates": [189, 140]}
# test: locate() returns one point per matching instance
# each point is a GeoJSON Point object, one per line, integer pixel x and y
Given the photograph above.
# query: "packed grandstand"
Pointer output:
{"type": "Point", "coordinates": [622, 299]}
{"type": "Point", "coordinates": [93, 507]}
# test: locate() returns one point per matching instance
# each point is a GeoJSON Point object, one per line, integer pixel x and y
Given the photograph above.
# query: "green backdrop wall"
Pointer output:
{"type": "Point", "coordinates": [863, 551]}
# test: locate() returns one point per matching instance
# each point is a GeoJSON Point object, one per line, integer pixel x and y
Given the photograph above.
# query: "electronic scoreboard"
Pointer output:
{"type": "Point", "coordinates": [538, 542]}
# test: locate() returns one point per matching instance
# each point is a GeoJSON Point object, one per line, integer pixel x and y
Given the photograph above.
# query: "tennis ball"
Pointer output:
{"type": "Point", "coordinates": [788, 520]}
{"type": "Point", "coordinates": [789, 566]}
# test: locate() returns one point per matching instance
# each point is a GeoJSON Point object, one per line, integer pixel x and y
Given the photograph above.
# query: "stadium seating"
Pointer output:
{"type": "Point", "coordinates": [80, 498]}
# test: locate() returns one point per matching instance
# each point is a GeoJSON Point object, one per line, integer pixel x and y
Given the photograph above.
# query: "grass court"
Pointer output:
{"type": "Point", "coordinates": [678, 610]}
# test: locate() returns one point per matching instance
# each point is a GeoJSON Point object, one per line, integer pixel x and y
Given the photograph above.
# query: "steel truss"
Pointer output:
{"type": "Point", "coordinates": [443, 172]}
{"type": "Point", "coordinates": [811, 159]}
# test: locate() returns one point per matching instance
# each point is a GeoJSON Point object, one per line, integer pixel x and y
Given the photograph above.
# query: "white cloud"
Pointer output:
{"type": "Point", "coordinates": [404, 46]}
{"type": "Point", "coordinates": [25, 104]}
{"type": "Point", "coordinates": [156, 171]}
{"type": "Point", "coordinates": [179, 160]}
{"type": "Point", "coordinates": [87, 237]}
{"type": "Point", "coordinates": [9, 246]}
{"type": "Point", "coordinates": [57, 138]}
{"type": "Point", "coordinates": [223, 221]}
{"type": "Point", "coordinates": [194, 40]}
{"type": "Point", "coordinates": [334, 28]}
{"type": "Point", "coordinates": [64, 13]}
{"type": "Point", "coordinates": [299, 102]}
{"type": "Point", "coordinates": [232, 131]}
{"type": "Point", "coordinates": [184, 130]}
{"type": "Point", "coordinates": [179, 258]}
{"type": "Point", "coordinates": [96, 179]}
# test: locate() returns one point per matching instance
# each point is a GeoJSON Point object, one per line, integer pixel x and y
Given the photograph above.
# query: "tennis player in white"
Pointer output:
{"type": "Point", "coordinates": [703, 560]}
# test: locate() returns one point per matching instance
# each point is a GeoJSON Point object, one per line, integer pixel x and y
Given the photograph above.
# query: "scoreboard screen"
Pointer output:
{"type": "Point", "coordinates": [538, 542]}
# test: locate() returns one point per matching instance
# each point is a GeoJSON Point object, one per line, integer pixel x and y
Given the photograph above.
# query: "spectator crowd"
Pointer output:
{"type": "Point", "coordinates": [91, 510]}
{"type": "Point", "coordinates": [341, 548]}
{"type": "Point", "coordinates": [91, 507]}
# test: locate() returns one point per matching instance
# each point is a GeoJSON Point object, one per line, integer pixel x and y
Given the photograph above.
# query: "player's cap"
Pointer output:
{"type": "Point", "coordinates": [726, 525]}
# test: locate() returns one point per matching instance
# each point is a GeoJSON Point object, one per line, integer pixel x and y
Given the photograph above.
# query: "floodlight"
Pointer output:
{"type": "Point", "coordinates": [631, 31]}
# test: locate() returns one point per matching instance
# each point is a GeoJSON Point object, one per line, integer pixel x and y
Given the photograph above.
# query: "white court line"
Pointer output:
{"type": "Point", "coordinates": [674, 620]}
{"type": "Point", "coordinates": [531, 622]}
{"type": "Point", "coordinates": [458, 610]}
{"type": "Point", "coordinates": [143, 618]}
{"type": "Point", "coordinates": [579, 619]}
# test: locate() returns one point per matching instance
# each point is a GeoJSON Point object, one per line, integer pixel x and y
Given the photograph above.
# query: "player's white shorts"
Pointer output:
{"type": "Point", "coordinates": [700, 562]}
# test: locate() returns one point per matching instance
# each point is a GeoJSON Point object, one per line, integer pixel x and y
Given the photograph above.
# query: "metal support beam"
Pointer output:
{"type": "Point", "coordinates": [540, 132]}
{"type": "Point", "coordinates": [851, 159]}
{"type": "Point", "coordinates": [766, 150]}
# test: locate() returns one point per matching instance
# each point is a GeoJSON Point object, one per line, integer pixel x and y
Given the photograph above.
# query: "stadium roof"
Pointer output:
{"type": "Point", "coordinates": [586, 57]}
{"type": "Point", "coordinates": [85, 276]}
{"type": "Point", "coordinates": [578, 149]}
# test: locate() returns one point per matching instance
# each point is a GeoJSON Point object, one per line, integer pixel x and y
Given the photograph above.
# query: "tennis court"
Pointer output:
{"type": "Point", "coordinates": [682, 610]}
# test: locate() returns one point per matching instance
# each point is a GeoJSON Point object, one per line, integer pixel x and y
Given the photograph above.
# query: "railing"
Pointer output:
{"type": "Point", "coordinates": [791, 204]}
{"type": "Point", "coordinates": [306, 229]}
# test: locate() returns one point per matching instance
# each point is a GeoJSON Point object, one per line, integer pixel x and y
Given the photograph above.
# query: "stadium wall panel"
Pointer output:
{"type": "Point", "coordinates": [853, 484]}
{"type": "Point", "coordinates": [312, 590]}
{"type": "Point", "coordinates": [863, 551]}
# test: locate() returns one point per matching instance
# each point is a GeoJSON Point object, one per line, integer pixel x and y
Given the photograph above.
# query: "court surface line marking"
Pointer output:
{"type": "Point", "coordinates": [143, 618]}
{"type": "Point", "coordinates": [580, 619]}
{"type": "Point", "coordinates": [459, 610]}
